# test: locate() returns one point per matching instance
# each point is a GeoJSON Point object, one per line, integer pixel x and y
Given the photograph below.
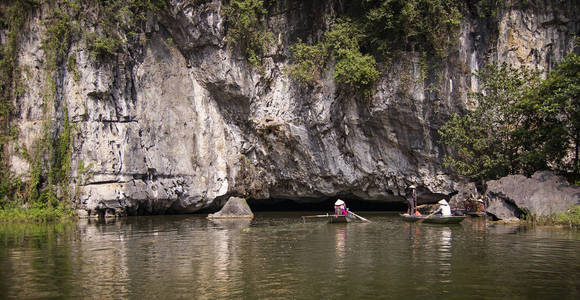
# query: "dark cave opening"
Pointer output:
{"type": "Point", "coordinates": [354, 204]}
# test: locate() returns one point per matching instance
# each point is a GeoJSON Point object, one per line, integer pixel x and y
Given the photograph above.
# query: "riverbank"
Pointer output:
{"type": "Point", "coordinates": [570, 218]}
{"type": "Point", "coordinates": [35, 214]}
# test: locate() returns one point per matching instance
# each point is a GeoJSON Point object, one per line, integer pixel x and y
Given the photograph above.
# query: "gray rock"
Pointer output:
{"type": "Point", "coordinates": [543, 194]}
{"type": "Point", "coordinates": [465, 190]}
{"type": "Point", "coordinates": [234, 208]}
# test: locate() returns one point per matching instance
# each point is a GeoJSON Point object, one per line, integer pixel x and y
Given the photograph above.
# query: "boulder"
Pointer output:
{"type": "Point", "coordinates": [464, 192]}
{"type": "Point", "coordinates": [234, 208]}
{"type": "Point", "coordinates": [515, 196]}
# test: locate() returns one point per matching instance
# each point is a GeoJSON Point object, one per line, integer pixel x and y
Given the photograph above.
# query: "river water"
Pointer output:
{"type": "Point", "coordinates": [277, 256]}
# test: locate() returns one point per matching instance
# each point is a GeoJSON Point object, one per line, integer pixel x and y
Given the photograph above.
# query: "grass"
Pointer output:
{"type": "Point", "coordinates": [34, 214]}
{"type": "Point", "coordinates": [570, 218]}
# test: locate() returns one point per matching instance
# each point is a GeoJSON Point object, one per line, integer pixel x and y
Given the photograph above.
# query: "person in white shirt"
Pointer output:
{"type": "Point", "coordinates": [444, 208]}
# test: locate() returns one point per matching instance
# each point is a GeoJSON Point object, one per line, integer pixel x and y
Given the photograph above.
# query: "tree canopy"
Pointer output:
{"type": "Point", "coordinates": [521, 124]}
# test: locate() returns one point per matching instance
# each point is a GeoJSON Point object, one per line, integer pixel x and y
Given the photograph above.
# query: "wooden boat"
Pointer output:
{"type": "Point", "coordinates": [340, 219]}
{"type": "Point", "coordinates": [476, 214]}
{"type": "Point", "coordinates": [433, 219]}
{"type": "Point", "coordinates": [336, 218]}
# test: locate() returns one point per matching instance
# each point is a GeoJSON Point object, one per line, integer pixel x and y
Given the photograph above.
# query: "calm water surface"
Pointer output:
{"type": "Point", "coordinates": [277, 256]}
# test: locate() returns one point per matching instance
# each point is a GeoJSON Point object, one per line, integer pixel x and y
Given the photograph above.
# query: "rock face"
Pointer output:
{"type": "Point", "coordinates": [184, 121]}
{"type": "Point", "coordinates": [543, 194]}
{"type": "Point", "coordinates": [234, 208]}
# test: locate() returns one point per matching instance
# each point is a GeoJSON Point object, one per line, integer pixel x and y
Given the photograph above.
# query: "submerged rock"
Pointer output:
{"type": "Point", "coordinates": [543, 194]}
{"type": "Point", "coordinates": [234, 208]}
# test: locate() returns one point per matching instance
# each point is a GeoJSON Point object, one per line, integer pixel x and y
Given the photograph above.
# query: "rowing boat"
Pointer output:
{"type": "Point", "coordinates": [476, 214]}
{"type": "Point", "coordinates": [335, 218]}
{"type": "Point", "coordinates": [434, 219]}
{"type": "Point", "coordinates": [340, 219]}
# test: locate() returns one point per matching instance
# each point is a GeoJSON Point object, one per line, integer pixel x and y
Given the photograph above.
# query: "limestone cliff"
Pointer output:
{"type": "Point", "coordinates": [180, 120]}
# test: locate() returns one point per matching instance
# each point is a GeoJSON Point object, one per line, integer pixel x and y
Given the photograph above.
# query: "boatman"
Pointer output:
{"type": "Point", "coordinates": [339, 208]}
{"type": "Point", "coordinates": [412, 198]}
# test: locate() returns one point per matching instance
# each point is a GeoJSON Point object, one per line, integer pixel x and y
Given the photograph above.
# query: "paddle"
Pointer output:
{"type": "Point", "coordinates": [361, 218]}
{"type": "Point", "coordinates": [426, 217]}
{"type": "Point", "coordinates": [316, 216]}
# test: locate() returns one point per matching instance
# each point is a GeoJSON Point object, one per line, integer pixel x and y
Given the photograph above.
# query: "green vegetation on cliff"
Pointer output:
{"type": "Point", "coordinates": [416, 25]}
{"type": "Point", "coordinates": [521, 124]}
{"type": "Point", "coordinates": [44, 194]}
{"type": "Point", "coordinates": [13, 21]}
{"type": "Point", "coordinates": [246, 22]}
{"type": "Point", "coordinates": [353, 70]}
{"type": "Point", "coordinates": [369, 31]}
{"type": "Point", "coordinates": [118, 23]}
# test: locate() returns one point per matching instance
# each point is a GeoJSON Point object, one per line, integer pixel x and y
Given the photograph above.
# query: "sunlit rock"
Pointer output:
{"type": "Point", "coordinates": [234, 208]}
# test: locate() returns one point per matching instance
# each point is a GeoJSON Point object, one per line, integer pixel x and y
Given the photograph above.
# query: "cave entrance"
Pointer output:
{"type": "Point", "coordinates": [326, 204]}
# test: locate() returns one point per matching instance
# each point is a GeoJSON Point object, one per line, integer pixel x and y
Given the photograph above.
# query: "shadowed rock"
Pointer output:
{"type": "Point", "coordinates": [234, 208]}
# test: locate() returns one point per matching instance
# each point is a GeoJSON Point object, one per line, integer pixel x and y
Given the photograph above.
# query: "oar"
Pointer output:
{"type": "Point", "coordinates": [426, 217]}
{"type": "Point", "coordinates": [316, 216]}
{"type": "Point", "coordinates": [361, 218]}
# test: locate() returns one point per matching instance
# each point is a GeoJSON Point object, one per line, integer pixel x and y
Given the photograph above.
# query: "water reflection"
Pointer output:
{"type": "Point", "coordinates": [340, 246]}
{"type": "Point", "coordinates": [237, 224]}
{"type": "Point", "coordinates": [416, 243]}
{"type": "Point", "coordinates": [445, 253]}
{"type": "Point", "coordinates": [279, 257]}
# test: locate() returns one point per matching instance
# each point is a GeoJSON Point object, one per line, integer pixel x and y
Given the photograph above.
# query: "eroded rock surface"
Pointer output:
{"type": "Point", "coordinates": [185, 121]}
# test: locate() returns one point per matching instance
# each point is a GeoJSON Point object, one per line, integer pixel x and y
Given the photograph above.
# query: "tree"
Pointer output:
{"type": "Point", "coordinates": [486, 141]}
{"type": "Point", "coordinates": [520, 125]}
{"type": "Point", "coordinates": [559, 98]}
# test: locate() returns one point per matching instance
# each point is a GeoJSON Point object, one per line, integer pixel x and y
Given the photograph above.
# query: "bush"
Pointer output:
{"type": "Point", "coordinates": [419, 25]}
{"type": "Point", "coordinates": [309, 62]}
{"type": "Point", "coordinates": [34, 214]}
{"type": "Point", "coordinates": [355, 69]}
{"type": "Point", "coordinates": [246, 28]}
{"type": "Point", "coordinates": [101, 47]}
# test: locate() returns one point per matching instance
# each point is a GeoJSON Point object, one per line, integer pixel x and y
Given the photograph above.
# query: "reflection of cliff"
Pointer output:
{"type": "Point", "coordinates": [225, 263]}
{"type": "Point", "coordinates": [103, 254]}
{"type": "Point", "coordinates": [162, 256]}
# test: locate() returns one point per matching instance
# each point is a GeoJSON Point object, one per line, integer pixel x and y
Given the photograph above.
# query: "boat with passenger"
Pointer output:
{"type": "Point", "coordinates": [341, 214]}
{"type": "Point", "coordinates": [340, 219]}
{"type": "Point", "coordinates": [433, 219]}
{"type": "Point", "coordinates": [441, 215]}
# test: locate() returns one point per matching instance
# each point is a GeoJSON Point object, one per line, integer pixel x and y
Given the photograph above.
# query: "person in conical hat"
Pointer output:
{"type": "Point", "coordinates": [339, 207]}
{"type": "Point", "coordinates": [444, 208]}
